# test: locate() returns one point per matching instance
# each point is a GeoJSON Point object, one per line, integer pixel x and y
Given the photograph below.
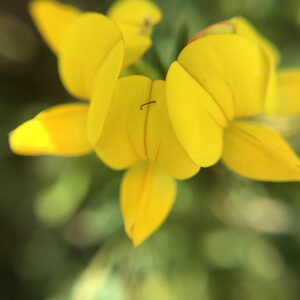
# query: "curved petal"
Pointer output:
{"type": "Point", "coordinates": [87, 45]}
{"type": "Point", "coordinates": [53, 20]}
{"type": "Point", "coordinates": [244, 28]}
{"type": "Point", "coordinates": [103, 90]}
{"type": "Point", "coordinates": [122, 140]}
{"type": "Point", "coordinates": [240, 27]}
{"type": "Point", "coordinates": [193, 121]}
{"type": "Point", "coordinates": [133, 131]}
{"type": "Point", "coordinates": [135, 19]}
{"type": "Point", "coordinates": [258, 152]}
{"type": "Point", "coordinates": [60, 130]}
{"type": "Point", "coordinates": [289, 92]}
{"type": "Point", "coordinates": [147, 196]}
{"type": "Point", "coordinates": [161, 142]}
{"type": "Point", "coordinates": [232, 69]}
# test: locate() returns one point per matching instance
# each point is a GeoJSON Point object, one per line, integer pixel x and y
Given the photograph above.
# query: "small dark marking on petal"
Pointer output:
{"type": "Point", "coordinates": [141, 108]}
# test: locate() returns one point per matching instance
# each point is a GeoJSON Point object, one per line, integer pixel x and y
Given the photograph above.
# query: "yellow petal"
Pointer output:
{"type": "Point", "coordinates": [87, 45]}
{"type": "Point", "coordinates": [289, 92]}
{"type": "Point", "coordinates": [133, 132]}
{"type": "Point", "coordinates": [162, 144]}
{"type": "Point", "coordinates": [258, 152]}
{"type": "Point", "coordinates": [147, 196]}
{"type": "Point", "coordinates": [244, 28]}
{"type": "Point", "coordinates": [191, 111]}
{"type": "Point", "coordinates": [241, 27]}
{"type": "Point", "coordinates": [135, 19]}
{"type": "Point", "coordinates": [232, 69]}
{"type": "Point", "coordinates": [60, 130]}
{"type": "Point", "coordinates": [104, 87]}
{"type": "Point", "coordinates": [53, 20]}
{"type": "Point", "coordinates": [122, 140]}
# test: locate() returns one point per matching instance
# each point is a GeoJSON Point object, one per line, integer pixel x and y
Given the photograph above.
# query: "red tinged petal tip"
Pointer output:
{"type": "Point", "coordinates": [226, 27]}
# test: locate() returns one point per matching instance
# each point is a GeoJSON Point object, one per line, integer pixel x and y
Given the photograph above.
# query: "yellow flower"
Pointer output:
{"type": "Point", "coordinates": [91, 50]}
{"type": "Point", "coordinates": [89, 57]}
{"type": "Point", "coordinates": [126, 124]}
{"type": "Point", "coordinates": [217, 84]}
{"type": "Point", "coordinates": [135, 19]}
{"type": "Point", "coordinates": [138, 135]}
{"type": "Point", "coordinates": [285, 97]}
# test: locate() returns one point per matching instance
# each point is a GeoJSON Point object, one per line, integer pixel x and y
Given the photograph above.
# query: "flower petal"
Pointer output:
{"type": "Point", "coordinates": [258, 152]}
{"type": "Point", "coordinates": [194, 124]}
{"type": "Point", "coordinates": [147, 196]}
{"type": "Point", "coordinates": [122, 140]}
{"type": "Point", "coordinates": [134, 132]}
{"type": "Point", "coordinates": [289, 92]}
{"type": "Point", "coordinates": [245, 29]}
{"type": "Point", "coordinates": [60, 130]}
{"type": "Point", "coordinates": [104, 86]}
{"type": "Point", "coordinates": [162, 144]}
{"type": "Point", "coordinates": [86, 46]}
{"type": "Point", "coordinates": [232, 69]}
{"type": "Point", "coordinates": [240, 27]}
{"type": "Point", "coordinates": [135, 19]}
{"type": "Point", "coordinates": [53, 20]}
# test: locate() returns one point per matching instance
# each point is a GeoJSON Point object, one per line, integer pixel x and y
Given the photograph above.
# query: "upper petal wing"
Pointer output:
{"type": "Point", "coordinates": [53, 20]}
{"type": "Point", "coordinates": [85, 48]}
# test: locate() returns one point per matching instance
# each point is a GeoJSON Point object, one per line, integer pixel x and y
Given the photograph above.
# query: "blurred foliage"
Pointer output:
{"type": "Point", "coordinates": [61, 233]}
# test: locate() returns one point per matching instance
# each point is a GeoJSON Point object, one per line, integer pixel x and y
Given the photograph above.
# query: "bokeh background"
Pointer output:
{"type": "Point", "coordinates": [61, 232]}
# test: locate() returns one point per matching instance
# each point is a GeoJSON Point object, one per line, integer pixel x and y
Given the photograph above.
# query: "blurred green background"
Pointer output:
{"type": "Point", "coordinates": [61, 233]}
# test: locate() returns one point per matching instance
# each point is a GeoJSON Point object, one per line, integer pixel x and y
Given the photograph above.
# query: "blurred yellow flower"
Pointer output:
{"type": "Point", "coordinates": [135, 19]}
{"type": "Point", "coordinates": [160, 131]}
{"type": "Point", "coordinates": [89, 59]}
{"type": "Point", "coordinates": [138, 135]}
{"type": "Point", "coordinates": [220, 81]}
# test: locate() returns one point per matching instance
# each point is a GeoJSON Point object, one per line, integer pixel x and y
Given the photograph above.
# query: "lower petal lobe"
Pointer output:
{"type": "Point", "coordinates": [147, 196]}
{"type": "Point", "coordinates": [258, 152]}
{"type": "Point", "coordinates": [85, 47]}
{"type": "Point", "coordinates": [60, 130]}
